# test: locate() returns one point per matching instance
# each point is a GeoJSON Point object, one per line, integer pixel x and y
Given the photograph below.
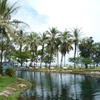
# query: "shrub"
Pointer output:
{"type": "Point", "coordinates": [4, 74]}
{"type": "Point", "coordinates": [70, 67]}
{"type": "Point", "coordinates": [92, 67]}
{"type": "Point", "coordinates": [10, 72]}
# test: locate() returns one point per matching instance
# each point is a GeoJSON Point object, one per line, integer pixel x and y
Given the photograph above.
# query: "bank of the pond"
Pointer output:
{"type": "Point", "coordinates": [11, 90]}
{"type": "Point", "coordinates": [89, 72]}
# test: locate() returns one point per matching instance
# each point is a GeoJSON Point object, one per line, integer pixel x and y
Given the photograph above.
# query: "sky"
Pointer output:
{"type": "Point", "coordinates": [44, 14]}
{"type": "Point", "coordinates": [41, 15]}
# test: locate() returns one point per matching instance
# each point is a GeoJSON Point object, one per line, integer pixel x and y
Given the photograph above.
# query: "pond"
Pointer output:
{"type": "Point", "coordinates": [60, 86]}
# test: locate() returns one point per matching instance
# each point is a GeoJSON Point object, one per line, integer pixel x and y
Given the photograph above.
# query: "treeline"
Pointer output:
{"type": "Point", "coordinates": [17, 44]}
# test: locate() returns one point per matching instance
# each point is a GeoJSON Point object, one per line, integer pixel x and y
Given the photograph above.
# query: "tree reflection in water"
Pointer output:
{"type": "Point", "coordinates": [60, 86]}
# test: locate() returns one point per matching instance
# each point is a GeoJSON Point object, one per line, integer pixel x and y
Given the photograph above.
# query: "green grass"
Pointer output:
{"type": "Point", "coordinates": [13, 82]}
{"type": "Point", "coordinates": [13, 97]}
{"type": "Point", "coordinates": [6, 81]}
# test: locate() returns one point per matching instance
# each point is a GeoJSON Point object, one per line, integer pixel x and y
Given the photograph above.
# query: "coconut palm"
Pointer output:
{"type": "Point", "coordinates": [9, 50]}
{"type": "Point", "coordinates": [6, 10]}
{"type": "Point", "coordinates": [53, 33]}
{"type": "Point", "coordinates": [66, 45]}
{"type": "Point", "coordinates": [43, 41]}
{"type": "Point", "coordinates": [21, 40]}
{"type": "Point", "coordinates": [32, 45]}
{"type": "Point", "coordinates": [5, 15]}
{"type": "Point", "coordinates": [76, 39]}
{"type": "Point", "coordinates": [57, 44]}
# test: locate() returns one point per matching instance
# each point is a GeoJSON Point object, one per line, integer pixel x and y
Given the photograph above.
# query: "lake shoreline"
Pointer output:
{"type": "Point", "coordinates": [66, 82]}
{"type": "Point", "coordinates": [90, 72]}
{"type": "Point", "coordinates": [14, 90]}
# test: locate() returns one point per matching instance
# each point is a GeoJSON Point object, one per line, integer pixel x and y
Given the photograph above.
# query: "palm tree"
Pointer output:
{"type": "Point", "coordinates": [9, 50]}
{"type": "Point", "coordinates": [53, 33]}
{"type": "Point", "coordinates": [21, 40]}
{"type": "Point", "coordinates": [6, 10]}
{"type": "Point", "coordinates": [76, 39]}
{"type": "Point", "coordinates": [43, 41]}
{"type": "Point", "coordinates": [5, 16]}
{"type": "Point", "coordinates": [32, 45]}
{"type": "Point", "coordinates": [57, 44]}
{"type": "Point", "coordinates": [65, 44]}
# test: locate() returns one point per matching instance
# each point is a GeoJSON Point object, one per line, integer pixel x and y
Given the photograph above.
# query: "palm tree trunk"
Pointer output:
{"type": "Point", "coordinates": [75, 56]}
{"type": "Point", "coordinates": [34, 63]}
{"type": "Point", "coordinates": [50, 57]}
{"type": "Point", "coordinates": [1, 70]}
{"type": "Point", "coordinates": [41, 62]}
{"type": "Point", "coordinates": [64, 60]}
{"type": "Point", "coordinates": [61, 61]}
{"type": "Point", "coordinates": [57, 58]}
{"type": "Point", "coordinates": [21, 55]}
{"type": "Point", "coordinates": [42, 55]}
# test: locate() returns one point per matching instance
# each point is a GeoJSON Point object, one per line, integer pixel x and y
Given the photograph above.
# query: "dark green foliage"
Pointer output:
{"type": "Point", "coordinates": [86, 49]}
{"type": "Point", "coordinates": [86, 61]}
{"type": "Point", "coordinates": [10, 72]}
{"type": "Point", "coordinates": [1, 71]}
{"type": "Point", "coordinates": [22, 56]}
{"type": "Point", "coordinates": [78, 60]}
{"type": "Point", "coordinates": [96, 53]}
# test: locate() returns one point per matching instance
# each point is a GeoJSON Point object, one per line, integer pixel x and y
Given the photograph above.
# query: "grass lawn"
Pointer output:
{"type": "Point", "coordinates": [12, 82]}
{"type": "Point", "coordinates": [6, 81]}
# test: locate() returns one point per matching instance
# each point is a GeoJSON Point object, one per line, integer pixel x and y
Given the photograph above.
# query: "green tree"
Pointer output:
{"type": "Point", "coordinates": [5, 15]}
{"type": "Point", "coordinates": [96, 53]}
{"type": "Point", "coordinates": [65, 45]}
{"type": "Point", "coordinates": [32, 45]}
{"type": "Point", "coordinates": [47, 58]}
{"type": "Point", "coordinates": [43, 42]}
{"type": "Point", "coordinates": [86, 49]}
{"type": "Point", "coordinates": [21, 41]}
{"type": "Point", "coordinates": [78, 60]}
{"type": "Point", "coordinates": [76, 39]}
{"type": "Point", "coordinates": [22, 57]}
{"type": "Point", "coordinates": [53, 33]}
{"type": "Point", "coordinates": [57, 46]}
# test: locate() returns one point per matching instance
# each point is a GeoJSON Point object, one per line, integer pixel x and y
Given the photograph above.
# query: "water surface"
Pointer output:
{"type": "Point", "coordinates": [60, 86]}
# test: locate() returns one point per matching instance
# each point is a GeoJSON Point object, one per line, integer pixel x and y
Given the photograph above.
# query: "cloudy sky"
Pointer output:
{"type": "Point", "coordinates": [42, 14]}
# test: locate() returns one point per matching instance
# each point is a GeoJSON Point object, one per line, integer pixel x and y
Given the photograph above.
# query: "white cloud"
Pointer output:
{"type": "Point", "coordinates": [42, 14]}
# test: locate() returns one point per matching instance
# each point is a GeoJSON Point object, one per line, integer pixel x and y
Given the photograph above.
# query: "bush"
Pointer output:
{"type": "Point", "coordinates": [10, 72]}
{"type": "Point", "coordinates": [4, 74]}
{"type": "Point", "coordinates": [92, 67]}
{"type": "Point", "coordinates": [70, 67]}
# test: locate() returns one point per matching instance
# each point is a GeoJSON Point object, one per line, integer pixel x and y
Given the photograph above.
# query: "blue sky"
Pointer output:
{"type": "Point", "coordinates": [42, 14]}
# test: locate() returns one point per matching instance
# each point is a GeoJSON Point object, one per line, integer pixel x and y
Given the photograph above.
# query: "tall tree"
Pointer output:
{"type": "Point", "coordinates": [32, 45]}
{"type": "Point", "coordinates": [76, 39]}
{"type": "Point", "coordinates": [53, 32]}
{"type": "Point", "coordinates": [96, 53]}
{"type": "Point", "coordinates": [21, 40]}
{"type": "Point", "coordinates": [57, 46]}
{"type": "Point", "coordinates": [5, 15]}
{"type": "Point", "coordinates": [66, 45]}
{"type": "Point", "coordinates": [43, 42]}
{"type": "Point", "coordinates": [86, 49]}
